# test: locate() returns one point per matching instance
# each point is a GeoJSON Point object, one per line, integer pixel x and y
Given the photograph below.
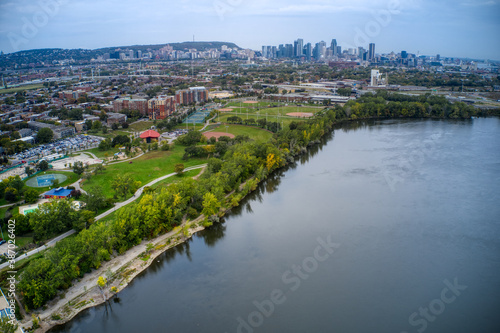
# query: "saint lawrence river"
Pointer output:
{"type": "Point", "coordinates": [387, 226]}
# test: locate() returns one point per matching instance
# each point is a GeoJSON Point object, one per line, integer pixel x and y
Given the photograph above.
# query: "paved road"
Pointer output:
{"type": "Point", "coordinates": [117, 206]}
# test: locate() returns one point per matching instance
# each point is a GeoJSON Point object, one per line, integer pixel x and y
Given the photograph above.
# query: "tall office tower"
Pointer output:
{"type": "Point", "coordinates": [281, 51]}
{"type": "Point", "coordinates": [308, 51]}
{"type": "Point", "coordinates": [322, 49]}
{"type": "Point", "coordinates": [289, 51]}
{"type": "Point", "coordinates": [264, 51]}
{"type": "Point", "coordinates": [339, 50]}
{"type": "Point", "coordinates": [334, 47]}
{"type": "Point", "coordinates": [438, 57]}
{"type": "Point", "coordinates": [274, 52]}
{"type": "Point", "coordinates": [139, 54]}
{"type": "Point", "coordinates": [404, 54]}
{"type": "Point", "coordinates": [299, 47]}
{"type": "Point", "coordinates": [361, 51]}
{"type": "Point", "coordinates": [371, 52]}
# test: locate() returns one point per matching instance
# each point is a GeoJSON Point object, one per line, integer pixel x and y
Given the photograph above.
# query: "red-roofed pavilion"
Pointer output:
{"type": "Point", "coordinates": [150, 136]}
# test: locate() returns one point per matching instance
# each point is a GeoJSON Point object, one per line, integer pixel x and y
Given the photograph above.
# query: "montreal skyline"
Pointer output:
{"type": "Point", "coordinates": [465, 29]}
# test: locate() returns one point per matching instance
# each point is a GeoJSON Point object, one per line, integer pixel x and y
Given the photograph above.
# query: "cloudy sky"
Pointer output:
{"type": "Point", "coordinates": [455, 28]}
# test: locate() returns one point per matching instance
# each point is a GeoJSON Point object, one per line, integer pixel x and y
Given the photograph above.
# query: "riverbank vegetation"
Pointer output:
{"type": "Point", "coordinates": [237, 168]}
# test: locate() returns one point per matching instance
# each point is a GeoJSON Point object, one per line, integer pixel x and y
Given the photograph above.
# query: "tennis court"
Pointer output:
{"type": "Point", "coordinates": [45, 180]}
{"type": "Point", "coordinates": [197, 118]}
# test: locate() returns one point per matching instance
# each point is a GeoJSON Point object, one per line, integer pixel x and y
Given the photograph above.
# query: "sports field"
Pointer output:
{"type": "Point", "coordinates": [45, 180]}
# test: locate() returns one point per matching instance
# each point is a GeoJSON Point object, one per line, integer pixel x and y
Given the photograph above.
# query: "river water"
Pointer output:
{"type": "Point", "coordinates": [388, 226]}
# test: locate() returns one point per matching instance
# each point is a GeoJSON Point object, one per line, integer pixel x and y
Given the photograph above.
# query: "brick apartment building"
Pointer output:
{"type": "Point", "coordinates": [132, 104]}
{"type": "Point", "coordinates": [161, 107]}
{"type": "Point", "coordinates": [191, 95]}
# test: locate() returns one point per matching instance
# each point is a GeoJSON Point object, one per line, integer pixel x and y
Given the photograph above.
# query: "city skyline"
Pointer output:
{"type": "Point", "coordinates": [465, 29]}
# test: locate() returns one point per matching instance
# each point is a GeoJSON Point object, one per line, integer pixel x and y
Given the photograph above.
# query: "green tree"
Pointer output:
{"type": "Point", "coordinates": [179, 168]}
{"type": "Point", "coordinates": [124, 185]}
{"type": "Point", "coordinates": [11, 194]}
{"type": "Point", "coordinates": [210, 205]}
{"type": "Point", "coordinates": [6, 325]}
{"type": "Point", "coordinates": [29, 171]}
{"type": "Point", "coordinates": [45, 135]}
{"type": "Point", "coordinates": [84, 221]}
{"type": "Point", "coordinates": [31, 195]}
{"type": "Point", "coordinates": [43, 165]}
{"type": "Point", "coordinates": [78, 168]}
{"type": "Point", "coordinates": [96, 125]}
{"type": "Point", "coordinates": [114, 126]}
{"type": "Point", "coordinates": [95, 199]}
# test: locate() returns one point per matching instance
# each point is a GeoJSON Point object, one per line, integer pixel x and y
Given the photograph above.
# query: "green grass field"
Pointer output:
{"type": "Point", "coordinates": [17, 89]}
{"type": "Point", "coordinates": [140, 126]}
{"type": "Point", "coordinates": [254, 133]}
{"type": "Point", "coordinates": [144, 169]}
{"type": "Point", "coordinates": [102, 154]}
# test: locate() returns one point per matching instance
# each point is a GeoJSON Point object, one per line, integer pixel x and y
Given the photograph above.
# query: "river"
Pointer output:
{"type": "Point", "coordinates": [387, 226]}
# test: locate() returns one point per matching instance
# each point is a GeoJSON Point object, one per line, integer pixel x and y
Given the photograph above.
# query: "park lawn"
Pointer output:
{"type": "Point", "coordinates": [17, 89]}
{"type": "Point", "coordinates": [2, 212]}
{"type": "Point", "coordinates": [146, 168]}
{"type": "Point", "coordinates": [196, 127]}
{"type": "Point", "coordinates": [72, 178]}
{"type": "Point", "coordinates": [102, 154]}
{"type": "Point", "coordinates": [261, 104]}
{"type": "Point", "coordinates": [163, 183]}
{"type": "Point", "coordinates": [140, 126]}
{"type": "Point", "coordinates": [255, 133]}
{"type": "Point", "coordinates": [22, 240]}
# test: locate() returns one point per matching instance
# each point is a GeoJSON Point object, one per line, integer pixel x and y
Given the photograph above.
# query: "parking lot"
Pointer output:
{"type": "Point", "coordinates": [78, 142]}
{"type": "Point", "coordinates": [84, 158]}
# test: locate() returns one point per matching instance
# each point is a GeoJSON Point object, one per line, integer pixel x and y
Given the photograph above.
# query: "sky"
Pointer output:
{"type": "Point", "coordinates": [451, 28]}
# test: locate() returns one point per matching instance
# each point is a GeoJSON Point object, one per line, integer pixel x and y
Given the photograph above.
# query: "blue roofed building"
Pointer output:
{"type": "Point", "coordinates": [58, 193]}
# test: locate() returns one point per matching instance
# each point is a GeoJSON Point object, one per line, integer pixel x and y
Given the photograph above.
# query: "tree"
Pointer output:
{"type": "Point", "coordinates": [96, 125]}
{"type": "Point", "coordinates": [124, 125]}
{"type": "Point", "coordinates": [120, 140]}
{"type": "Point", "coordinates": [210, 205]}
{"type": "Point", "coordinates": [31, 195]}
{"type": "Point", "coordinates": [179, 168]}
{"type": "Point", "coordinates": [95, 199]}
{"type": "Point", "coordinates": [124, 185]}
{"type": "Point", "coordinates": [29, 171]}
{"type": "Point", "coordinates": [86, 219]}
{"type": "Point", "coordinates": [55, 182]}
{"type": "Point", "coordinates": [44, 135]}
{"type": "Point", "coordinates": [7, 326]}
{"type": "Point", "coordinates": [43, 165]}
{"type": "Point", "coordinates": [11, 194]}
{"type": "Point", "coordinates": [114, 126]}
{"type": "Point", "coordinates": [101, 283]}
{"type": "Point", "coordinates": [78, 168]}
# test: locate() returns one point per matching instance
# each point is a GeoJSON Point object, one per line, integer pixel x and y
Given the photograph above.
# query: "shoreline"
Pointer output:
{"type": "Point", "coordinates": [76, 300]}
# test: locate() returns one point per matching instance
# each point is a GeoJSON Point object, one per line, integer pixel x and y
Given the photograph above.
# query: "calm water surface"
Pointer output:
{"type": "Point", "coordinates": [412, 208]}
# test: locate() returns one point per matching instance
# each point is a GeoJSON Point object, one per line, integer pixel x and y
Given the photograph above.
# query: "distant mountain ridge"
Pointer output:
{"type": "Point", "coordinates": [50, 54]}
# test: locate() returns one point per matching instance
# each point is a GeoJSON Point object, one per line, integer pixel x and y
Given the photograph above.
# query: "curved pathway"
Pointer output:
{"type": "Point", "coordinates": [136, 196]}
{"type": "Point", "coordinates": [138, 193]}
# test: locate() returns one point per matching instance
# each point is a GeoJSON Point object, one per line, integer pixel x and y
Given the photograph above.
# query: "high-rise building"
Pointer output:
{"type": "Point", "coordinates": [299, 47]}
{"type": "Point", "coordinates": [334, 47]}
{"type": "Point", "coordinates": [404, 54]}
{"type": "Point", "coordinates": [308, 51]}
{"type": "Point", "coordinates": [289, 51]}
{"type": "Point", "coordinates": [371, 52]}
{"type": "Point", "coordinates": [339, 50]}
{"type": "Point", "coordinates": [322, 49]}
{"type": "Point", "coordinates": [438, 57]}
